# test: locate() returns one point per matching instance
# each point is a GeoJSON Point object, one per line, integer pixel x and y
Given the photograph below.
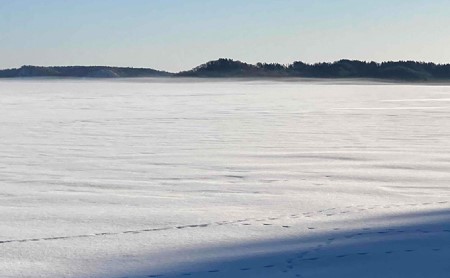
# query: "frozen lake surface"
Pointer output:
{"type": "Point", "coordinates": [159, 178]}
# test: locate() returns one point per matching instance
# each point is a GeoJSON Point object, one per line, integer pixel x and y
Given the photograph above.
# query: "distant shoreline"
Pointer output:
{"type": "Point", "coordinates": [391, 72]}
{"type": "Point", "coordinates": [176, 79]}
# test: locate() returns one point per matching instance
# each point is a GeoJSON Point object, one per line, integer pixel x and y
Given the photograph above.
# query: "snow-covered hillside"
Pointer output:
{"type": "Point", "coordinates": [160, 178]}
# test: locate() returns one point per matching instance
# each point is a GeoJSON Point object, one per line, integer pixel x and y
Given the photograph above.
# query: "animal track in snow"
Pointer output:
{"type": "Point", "coordinates": [292, 264]}
{"type": "Point", "coordinates": [220, 223]}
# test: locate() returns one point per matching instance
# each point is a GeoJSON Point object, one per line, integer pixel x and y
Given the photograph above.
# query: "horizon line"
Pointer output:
{"type": "Point", "coordinates": [234, 60]}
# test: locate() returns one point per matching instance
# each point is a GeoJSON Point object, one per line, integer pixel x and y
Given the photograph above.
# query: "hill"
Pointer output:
{"type": "Point", "coordinates": [82, 71]}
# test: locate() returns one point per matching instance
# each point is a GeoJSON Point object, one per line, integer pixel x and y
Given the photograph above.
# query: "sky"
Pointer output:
{"type": "Point", "coordinates": [176, 35]}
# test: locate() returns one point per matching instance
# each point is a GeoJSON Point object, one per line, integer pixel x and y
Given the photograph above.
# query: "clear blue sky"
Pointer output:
{"type": "Point", "coordinates": [180, 34]}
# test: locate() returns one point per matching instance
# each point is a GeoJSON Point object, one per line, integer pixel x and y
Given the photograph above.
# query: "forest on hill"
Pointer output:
{"type": "Point", "coordinates": [81, 71]}
{"type": "Point", "coordinates": [401, 70]}
{"type": "Point", "coordinates": [222, 68]}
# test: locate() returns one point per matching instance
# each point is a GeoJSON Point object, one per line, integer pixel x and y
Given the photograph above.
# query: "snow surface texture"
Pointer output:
{"type": "Point", "coordinates": [159, 178]}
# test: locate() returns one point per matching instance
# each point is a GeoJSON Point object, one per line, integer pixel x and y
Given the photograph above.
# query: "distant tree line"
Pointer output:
{"type": "Point", "coordinates": [401, 70]}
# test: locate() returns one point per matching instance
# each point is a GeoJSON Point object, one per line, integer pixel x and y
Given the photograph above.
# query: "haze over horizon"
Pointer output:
{"type": "Point", "coordinates": [177, 35]}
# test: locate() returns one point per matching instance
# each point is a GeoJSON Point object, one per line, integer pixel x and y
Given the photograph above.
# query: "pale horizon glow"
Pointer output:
{"type": "Point", "coordinates": [177, 35]}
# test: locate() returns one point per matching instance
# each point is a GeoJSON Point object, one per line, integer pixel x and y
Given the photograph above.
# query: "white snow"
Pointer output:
{"type": "Point", "coordinates": [209, 178]}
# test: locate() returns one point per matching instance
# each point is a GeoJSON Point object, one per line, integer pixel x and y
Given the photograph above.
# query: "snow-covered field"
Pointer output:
{"type": "Point", "coordinates": [158, 178]}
